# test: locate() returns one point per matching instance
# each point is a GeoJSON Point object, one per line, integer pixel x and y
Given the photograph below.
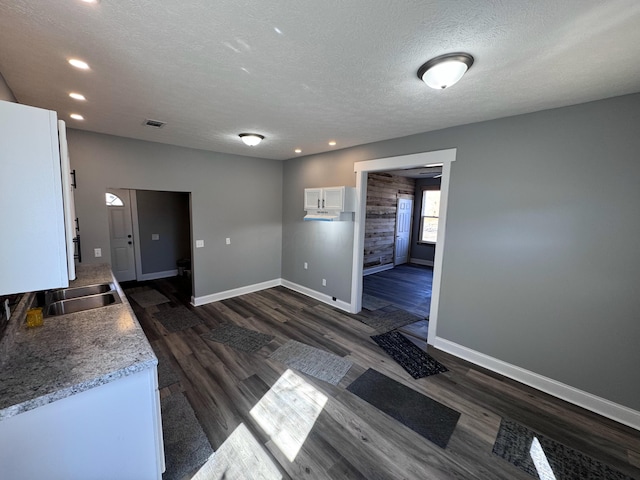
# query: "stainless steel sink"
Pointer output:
{"type": "Point", "coordinates": [78, 304]}
{"type": "Point", "coordinates": [75, 292]}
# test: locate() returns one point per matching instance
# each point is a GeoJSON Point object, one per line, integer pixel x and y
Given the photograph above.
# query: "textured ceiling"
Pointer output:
{"type": "Point", "coordinates": [303, 72]}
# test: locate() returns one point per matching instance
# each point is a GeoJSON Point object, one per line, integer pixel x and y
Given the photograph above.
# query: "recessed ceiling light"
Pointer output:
{"type": "Point", "coordinates": [79, 64]}
{"type": "Point", "coordinates": [332, 143]}
{"type": "Point", "coordinates": [91, 1]}
{"type": "Point", "coordinates": [76, 116]}
{"type": "Point", "coordinates": [77, 96]}
{"type": "Point", "coordinates": [297, 150]}
{"type": "Point", "coordinates": [251, 139]}
{"type": "Point", "coordinates": [446, 70]}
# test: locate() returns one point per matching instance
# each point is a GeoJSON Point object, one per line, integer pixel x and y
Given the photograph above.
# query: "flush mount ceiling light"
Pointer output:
{"type": "Point", "coordinates": [251, 139]}
{"type": "Point", "coordinates": [446, 70]}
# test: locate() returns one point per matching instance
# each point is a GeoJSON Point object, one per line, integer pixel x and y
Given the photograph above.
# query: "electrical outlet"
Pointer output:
{"type": "Point", "coordinates": [199, 243]}
{"type": "Point", "coordinates": [324, 282]}
{"type": "Point", "coordinates": [228, 240]}
{"type": "Point", "coordinates": [97, 252]}
{"type": "Point", "coordinates": [155, 236]}
{"type": "Point", "coordinates": [306, 266]}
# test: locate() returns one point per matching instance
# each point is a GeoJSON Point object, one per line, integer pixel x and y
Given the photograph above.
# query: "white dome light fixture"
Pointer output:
{"type": "Point", "coordinates": [251, 139]}
{"type": "Point", "coordinates": [446, 70]}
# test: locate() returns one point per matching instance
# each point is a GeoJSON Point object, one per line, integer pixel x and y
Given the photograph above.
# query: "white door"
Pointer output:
{"type": "Point", "coordinates": [123, 260]}
{"type": "Point", "coordinates": [403, 230]}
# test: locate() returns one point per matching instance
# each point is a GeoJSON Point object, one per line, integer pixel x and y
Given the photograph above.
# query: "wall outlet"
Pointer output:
{"type": "Point", "coordinates": [97, 252]}
{"type": "Point", "coordinates": [199, 243]}
{"type": "Point", "coordinates": [324, 282]}
{"type": "Point", "coordinates": [306, 266]}
{"type": "Point", "coordinates": [228, 241]}
{"type": "Point", "coordinates": [155, 236]}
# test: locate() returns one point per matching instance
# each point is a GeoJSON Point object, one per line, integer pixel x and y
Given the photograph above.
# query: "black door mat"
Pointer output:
{"type": "Point", "coordinates": [166, 374]}
{"type": "Point", "coordinates": [544, 458]}
{"type": "Point", "coordinates": [186, 447]}
{"type": "Point", "coordinates": [418, 363]}
{"type": "Point", "coordinates": [423, 415]}
{"type": "Point", "coordinates": [178, 318]}
{"type": "Point", "coordinates": [239, 338]}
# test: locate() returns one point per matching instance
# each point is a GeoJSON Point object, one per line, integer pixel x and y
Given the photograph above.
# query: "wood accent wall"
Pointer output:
{"type": "Point", "coordinates": [383, 190]}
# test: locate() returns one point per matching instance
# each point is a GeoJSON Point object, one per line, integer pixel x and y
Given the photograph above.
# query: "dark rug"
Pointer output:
{"type": "Point", "coordinates": [371, 302]}
{"type": "Point", "coordinates": [239, 338]}
{"type": "Point", "coordinates": [315, 362]}
{"type": "Point", "coordinates": [544, 458]}
{"type": "Point", "coordinates": [418, 363]}
{"type": "Point", "coordinates": [148, 298]}
{"type": "Point", "coordinates": [387, 321]}
{"type": "Point", "coordinates": [166, 374]}
{"type": "Point", "coordinates": [178, 318]}
{"type": "Point", "coordinates": [423, 415]}
{"type": "Point", "coordinates": [186, 447]}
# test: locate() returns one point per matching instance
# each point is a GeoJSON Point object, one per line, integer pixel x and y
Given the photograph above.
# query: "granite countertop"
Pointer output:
{"type": "Point", "coordinates": [70, 353]}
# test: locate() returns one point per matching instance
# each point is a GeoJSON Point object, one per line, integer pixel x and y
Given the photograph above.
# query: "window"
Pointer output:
{"type": "Point", "coordinates": [113, 200]}
{"type": "Point", "coordinates": [430, 216]}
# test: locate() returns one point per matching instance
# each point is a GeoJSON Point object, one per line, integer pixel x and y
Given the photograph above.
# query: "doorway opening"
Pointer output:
{"type": "Point", "coordinates": [150, 234]}
{"type": "Point", "coordinates": [362, 169]}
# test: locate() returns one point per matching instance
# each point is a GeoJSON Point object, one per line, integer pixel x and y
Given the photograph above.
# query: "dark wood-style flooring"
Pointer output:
{"type": "Point", "coordinates": [351, 439]}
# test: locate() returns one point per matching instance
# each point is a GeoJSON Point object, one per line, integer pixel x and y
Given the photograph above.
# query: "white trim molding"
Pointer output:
{"type": "Point", "coordinates": [317, 295]}
{"type": "Point", "coordinates": [599, 405]}
{"type": "Point", "coordinates": [156, 275]}
{"type": "Point", "coordinates": [377, 269]}
{"type": "Point", "coordinates": [419, 261]}
{"type": "Point", "coordinates": [235, 292]}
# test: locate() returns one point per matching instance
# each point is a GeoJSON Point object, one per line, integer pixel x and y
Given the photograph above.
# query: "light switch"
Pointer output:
{"type": "Point", "coordinates": [306, 265]}
{"type": "Point", "coordinates": [97, 252]}
{"type": "Point", "coordinates": [199, 243]}
{"type": "Point", "coordinates": [228, 241]}
{"type": "Point", "coordinates": [324, 282]}
{"type": "Point", "coordinates": [155, 236]}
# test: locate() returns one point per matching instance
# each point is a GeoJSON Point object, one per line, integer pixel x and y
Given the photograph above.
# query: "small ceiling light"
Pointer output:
{"type": "Point", "coordinates": [76, 116]}
{"type": "Point", "coordinates": [77, 96]}
{"type": "Point", "coordinates": [446, 70]}
{"type": "Point", "coordinates": [297, 150]}
{"type": "Point", "coordinates": [332, 143]}
{"type": "Point", "coordinates": [251, 139]}
{"type": "Point", "coordinates": [79, 64]}
{"type": "Point", "coordinates": [91, 1]}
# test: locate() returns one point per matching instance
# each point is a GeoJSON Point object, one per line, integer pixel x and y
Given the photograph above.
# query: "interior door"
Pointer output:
{"type": "Point", "coordinates": [404, 215]}
{"type": "Point", "coordinates": [123, 261]}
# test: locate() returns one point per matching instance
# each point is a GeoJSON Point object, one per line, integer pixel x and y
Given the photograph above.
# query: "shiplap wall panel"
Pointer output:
{"type": "Point", "coordinates": [383, 190]}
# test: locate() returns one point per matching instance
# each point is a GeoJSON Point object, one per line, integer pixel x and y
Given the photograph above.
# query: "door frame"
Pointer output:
{"type": "Point", "coordinates": [445, 157]}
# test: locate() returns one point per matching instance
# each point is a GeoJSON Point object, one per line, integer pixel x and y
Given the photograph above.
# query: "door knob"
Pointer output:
{"type": "Point", "coordinates": [129, 236]}
{"type": "Point", "coordinates": [130, 242]}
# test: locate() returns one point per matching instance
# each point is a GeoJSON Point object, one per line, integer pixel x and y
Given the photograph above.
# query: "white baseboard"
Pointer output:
{"type": "Point", "coordinates": [419, 261]}
{"type": "Point", "coordinates": [379, 268]}
{"type": "Point", "coordinates": [342, 305]}
{"type": "Point", "coordinates": [216, 297]}
{"type": "Point", "coordinates": [157, 275]}
{"type": "Point", "coordinates": [599, 405]}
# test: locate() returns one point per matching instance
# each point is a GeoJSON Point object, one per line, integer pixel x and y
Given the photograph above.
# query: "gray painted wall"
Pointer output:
{"type": "Point", "coordinates": [421, 251]}
{"type": "Point", "coordinates": [541, 256]}
{"type": "Point", "coordinates": [167, 215]}
{"type": "Point", "coordinates": [5, 92]}
{"type": "Point", "coordinates": [232, 196]}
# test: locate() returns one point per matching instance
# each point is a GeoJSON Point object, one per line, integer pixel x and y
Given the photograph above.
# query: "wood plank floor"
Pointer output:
{"type": "Point", "coordinates": [351, 439]}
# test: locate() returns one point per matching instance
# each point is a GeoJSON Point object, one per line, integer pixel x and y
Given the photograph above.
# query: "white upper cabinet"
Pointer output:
{"type": "Point", "coordinates": [33, 254]}
{"type": "Point", "coordinates": [336, 199]}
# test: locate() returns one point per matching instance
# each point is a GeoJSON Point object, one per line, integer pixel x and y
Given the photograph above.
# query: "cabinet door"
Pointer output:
{"type": "Point", "coordinates": [333, 198]}
{"type": "Point", "coordinates": [312, 198]}
{"type": "Point", "coordinates": [32, 248]}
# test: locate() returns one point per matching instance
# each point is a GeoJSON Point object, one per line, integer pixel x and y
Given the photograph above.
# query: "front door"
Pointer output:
{"type": "Point", "coordinates": [123, 262]}
{"type": "Point", "coordinates": [403, 230]}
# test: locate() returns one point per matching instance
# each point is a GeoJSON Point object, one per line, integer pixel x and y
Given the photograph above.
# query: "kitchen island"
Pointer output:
{"type": "Point", "coordinates": [79, 395]}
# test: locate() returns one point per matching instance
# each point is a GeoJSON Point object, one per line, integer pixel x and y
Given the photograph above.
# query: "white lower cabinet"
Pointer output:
{"type": "Point", "coordinates": [108, 432]}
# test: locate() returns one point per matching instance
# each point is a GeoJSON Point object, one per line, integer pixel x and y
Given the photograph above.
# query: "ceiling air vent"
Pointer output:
{"type": "Point", "coordinates": [154, 123]}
